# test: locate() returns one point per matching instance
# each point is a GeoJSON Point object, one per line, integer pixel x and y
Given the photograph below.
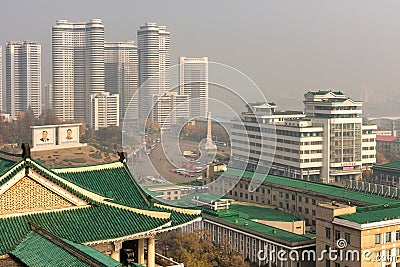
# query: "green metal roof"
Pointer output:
{"type": "Point", "coordinates": [373, 214]}
{"type": "Point", "coordinates": [262, 213]}
{"type": "Point", "coordinates": [37, 250]}
{"type": "Point", "coordinates": [320, 188]}
{"type": "Point", "coordinates": [247, 224]}
{"type": "Point", "coordinates": [391, 166]}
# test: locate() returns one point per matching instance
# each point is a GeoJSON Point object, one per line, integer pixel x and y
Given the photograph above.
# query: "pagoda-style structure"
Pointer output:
{"type": "Point", "coordinates": [79, 216]}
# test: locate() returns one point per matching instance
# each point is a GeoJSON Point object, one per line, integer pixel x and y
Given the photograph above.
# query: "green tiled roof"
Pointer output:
{"type": "Point", "coordinates": [178, 218]}
{"type": "Point", "coordinates": [100, 222]}
{"type": "Point", "coordinates": [261, 213]}
{"type": "Point", "coordinates": [5, 165]}
{"type": "Point", "coordinates": [114, 183]}
{"type": "Point", "coordinates": [37, 250]}
{"type": "Point", "coordinates": [391, 166]}
{"type": "Point", "coordinates": [320, 188]}
{"type": "Point", "coordinates": [244, 223]}
{"type": "Point", "coordinates": [373, 214]}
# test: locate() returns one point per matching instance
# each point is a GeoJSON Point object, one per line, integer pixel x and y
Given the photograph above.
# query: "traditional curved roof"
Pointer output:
{"type": "Point", "coordinates": [104, 204]}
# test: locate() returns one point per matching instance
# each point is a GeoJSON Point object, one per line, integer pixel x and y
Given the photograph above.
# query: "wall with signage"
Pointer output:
{"type": "Point", "coordinates": [55, 136]}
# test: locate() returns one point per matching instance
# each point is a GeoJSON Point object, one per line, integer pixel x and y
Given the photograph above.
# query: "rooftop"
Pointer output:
{"type": "Point", "coordinates": [318, 188]}
{"type": "Point", "coordinates": [112, 205]}
{"type": "Point", "coordinates": [244, 221]}
{"type": "Point", "coordinates": [373, 214]}
{"type": "Point", "coordinates": [391, 166]}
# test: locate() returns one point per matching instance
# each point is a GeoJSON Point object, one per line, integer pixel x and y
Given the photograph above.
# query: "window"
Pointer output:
{"type": "Point", "coordinates": [293, 197]}
{"type": "Point", "coordinates": [328, 233]}
{"type": "Point", "coordinates": [337, 264]}
{"type": "Point", "coordinates": [313, 212]}
{"type": "Point", "coordinates": [280, 194]}
{"type": "Point", "coordinates": [313, 202]}
{"type": "Point", "coordinates": [388, 237]}
{"type": "Point", "coordinates": [300, 199]}
{"type": "Point", "coordinates": [306, 210]}
{"type": "Point", "coordinates": [347, 237]}
{"type": "Point", "coordinates": [287, 196]}
{"type": "Point", "coordinates": [377, 238]}
{"type": "Point", "coordinates": [307, 200]}
{"type": "Point", "coordinates": [300, 209]}
{"type": "Point", "coordinates": [337, 235]}
{"type": "Point", "coordinates": [398, 235]}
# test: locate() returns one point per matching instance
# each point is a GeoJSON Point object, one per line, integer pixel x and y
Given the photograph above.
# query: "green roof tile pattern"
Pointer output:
{"type": "Point", "coordinates": [244, 223]}
{"type": "Point", "coordinates": [178, 218]}
{"type": "Point", "coordinates": [114, 183]}
{"type": "Point", "coordinates": [37, 250]}
{"type": "Point", "coordinates": [261, 213]}
{"type": "Point", "coordinates": [82, 225]}
{"type": "Point", "coordinates": [5, 165]}
{"type": "Point", "coordinates": [325, 189]}
{"type": "Point", "coordinates": [104, 259]}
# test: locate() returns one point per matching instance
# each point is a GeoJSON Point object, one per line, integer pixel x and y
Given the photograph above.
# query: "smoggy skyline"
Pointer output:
{"type": "Point", "coordinates": [286, 47]}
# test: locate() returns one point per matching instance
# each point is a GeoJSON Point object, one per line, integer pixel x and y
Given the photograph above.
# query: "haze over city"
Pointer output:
{"type": "Point", "coordinates": [286, 47]}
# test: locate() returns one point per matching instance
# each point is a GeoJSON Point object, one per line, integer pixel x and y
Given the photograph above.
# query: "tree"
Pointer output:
{"type": "Point", "coordinates": [48, 117]}
{"type": "Point", "coordinates": [197, 250]}
{"type": "Point", "coordinates": [25, 121]}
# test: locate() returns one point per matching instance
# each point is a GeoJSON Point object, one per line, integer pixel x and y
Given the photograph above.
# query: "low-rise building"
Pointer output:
{"type": "Point", "coordinates": [387, 174]}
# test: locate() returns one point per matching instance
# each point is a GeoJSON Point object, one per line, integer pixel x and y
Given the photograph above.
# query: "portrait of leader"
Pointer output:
{"type": "Point", "coordinates": [69, 135]}
{"type": "Point", "coordinates": [44, 138]}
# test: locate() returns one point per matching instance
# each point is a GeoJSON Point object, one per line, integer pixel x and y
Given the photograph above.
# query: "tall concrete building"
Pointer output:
{"type": "Point", "coordinates": [23, 77]}
{"type": "Point", "coordinates": [154, 61]}
{"type": "Point", "coordinates": [104, 110]}
{"type": "Point", "coordinates": [193, 82]}
{"type": "Point", "coordinates": [78, 67]}
{"type": "Point", "coordinates": [121, 74]}
{"type": "Point", "coordinates": [47, 96]}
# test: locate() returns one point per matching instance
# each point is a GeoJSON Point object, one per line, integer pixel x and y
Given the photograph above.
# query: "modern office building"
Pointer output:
{"type": "Point", "coordinates": [47, 96]}
{"type": "Point", "coordinates": [193, 82]}
{"type": "Point", "coordinates": [104, 110]}
{"type": "Point", "coordinates": [78, 67]}
{"type": "Point", "coordinates": [121, 74]}
{"type": "Point", "coordinates": [328, 143]}
{"type": "Point", "coordinates": [23, 77]}
{"type": "Point", "coordinates": [154, 62]}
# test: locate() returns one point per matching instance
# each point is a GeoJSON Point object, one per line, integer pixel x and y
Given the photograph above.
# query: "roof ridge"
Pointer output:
{"type": "Point", "coordinates": [94, 167]}
{"type": "Point", "coordinates": [180, 210]}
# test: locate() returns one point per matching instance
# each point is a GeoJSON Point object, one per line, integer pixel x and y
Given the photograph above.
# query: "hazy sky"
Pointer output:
{"type": "Point", "coordinates": [286, 47]}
